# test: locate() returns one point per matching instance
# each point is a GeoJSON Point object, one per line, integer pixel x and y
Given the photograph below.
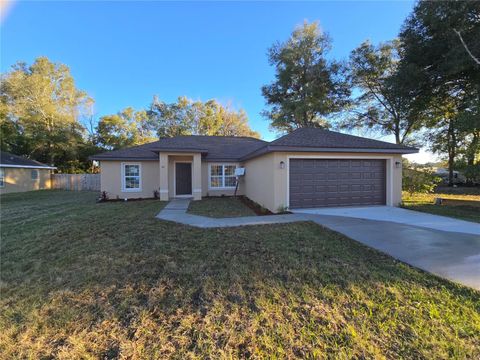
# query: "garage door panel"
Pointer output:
{"type": "Point", "coordinates": [337, 182]}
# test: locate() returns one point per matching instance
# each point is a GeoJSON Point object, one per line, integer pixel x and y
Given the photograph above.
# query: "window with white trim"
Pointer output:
{"type": "Point", "coordinates": [2, 177]}
{"type": "Point", "coordinates": [34, 174]}
{"type": "Point", "coordinates": [222, 176]}
{"type": "Point", "coordinates": [131, 177]}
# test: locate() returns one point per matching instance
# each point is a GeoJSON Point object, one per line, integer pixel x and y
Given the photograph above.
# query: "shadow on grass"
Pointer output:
{"type": "Point", "coordinates": [104, 280]}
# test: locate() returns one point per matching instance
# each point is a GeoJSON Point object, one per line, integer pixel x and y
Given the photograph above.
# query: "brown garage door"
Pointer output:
{"type": "Point", "coordinates": [336, 182]}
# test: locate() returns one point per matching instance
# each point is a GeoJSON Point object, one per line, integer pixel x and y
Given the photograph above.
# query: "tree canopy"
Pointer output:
{"type": "Point", "coordinates": [127, 128]}
{"type": "Point", "coordinates": [384, 101]}
{"type": "Point", "coordinates": [45, 117]}
{"type": "Point", "coordinates": [188, 117]}
{"type": "Point", "coordinates": [40, 111]}
{"type": "Point", "coordinates": [308, 88]}
{"type": "Point", "coordinates": [440, 39]}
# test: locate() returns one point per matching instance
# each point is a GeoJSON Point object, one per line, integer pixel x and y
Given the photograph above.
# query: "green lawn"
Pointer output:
{"type": "Point", "coordinates": [87, 280]}
{"type": "Point", "coordinates": [220, 207]}
{"type": "Point", "coordinates": [425, 203]}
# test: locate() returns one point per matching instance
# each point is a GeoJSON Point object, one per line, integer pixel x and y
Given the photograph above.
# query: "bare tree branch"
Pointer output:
{"type": "Point", "coordinates": [466, 47]}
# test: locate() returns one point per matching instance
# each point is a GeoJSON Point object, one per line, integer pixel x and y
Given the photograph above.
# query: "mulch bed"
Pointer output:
{"type": "Point", "coordinates": [259, 210]}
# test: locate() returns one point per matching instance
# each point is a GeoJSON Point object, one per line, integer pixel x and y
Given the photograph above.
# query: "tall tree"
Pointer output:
{"type": "Point", "coordinates": [449, 73]}
{"type": "Point", "coordinates": [307, 88]}
{"type": "Point", "coordinates": [384, 101]}
{"type": "Point", "coordinates": [187, 117]}
{"type": "Point", "coordinates": [172, 119]}
{"type": "Point", "coordinates": [126, 128]}
{"type": "Point", "coordinates": [40, 109]}
{"type": "Point", "coordinates": [234, 124]}
{"type": "Point", "coordinates": [469, 134]}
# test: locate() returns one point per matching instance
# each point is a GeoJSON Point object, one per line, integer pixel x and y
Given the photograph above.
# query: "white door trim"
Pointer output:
{"type": "Point", "coordinates": [389, 163]}
{"type": "Point", "coordinates": [175, 180]}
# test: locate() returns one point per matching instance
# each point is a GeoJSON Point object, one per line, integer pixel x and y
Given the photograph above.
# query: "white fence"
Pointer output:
{"type": "Point", "coordinates": [76, 182]}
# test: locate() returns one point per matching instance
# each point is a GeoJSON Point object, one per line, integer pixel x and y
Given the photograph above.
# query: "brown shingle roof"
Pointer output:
{"type": "Point", "coordinates": [320, 138]}
{"type": "Point", "coordinates": [7, 159]}
{"type": "Point", "coordinates": [231, 148]}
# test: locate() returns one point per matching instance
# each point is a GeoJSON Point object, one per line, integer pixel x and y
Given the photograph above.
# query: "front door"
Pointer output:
{"type": "Point", "coordinates": [183, 178]}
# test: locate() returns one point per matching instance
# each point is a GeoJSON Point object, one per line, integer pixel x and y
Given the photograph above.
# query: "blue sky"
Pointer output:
{"type": "Point", "coordinates": [123, 53]}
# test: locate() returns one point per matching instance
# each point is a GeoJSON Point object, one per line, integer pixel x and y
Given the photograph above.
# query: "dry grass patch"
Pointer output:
{"type": "Point", "coordinates": [425, 203]}
{"type": "Point", "coordinates": [86, 280]}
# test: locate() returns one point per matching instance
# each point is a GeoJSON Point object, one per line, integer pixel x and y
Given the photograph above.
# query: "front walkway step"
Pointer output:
{"type": "Point", "coordinates": [178, 204]}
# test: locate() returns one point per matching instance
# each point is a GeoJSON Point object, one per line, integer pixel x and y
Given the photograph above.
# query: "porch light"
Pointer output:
{"type": "Point", "coordinates": [397, 164]}
{"type": "Point", "coordinates": [282, 165]}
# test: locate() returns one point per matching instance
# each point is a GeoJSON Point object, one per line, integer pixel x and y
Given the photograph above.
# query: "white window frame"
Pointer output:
{"type": "Point", "coordinates": [223, 187]}
{"type": "Point", "coordinates": [124, 189]}
{"type": "Point", "coordinates": [2, 177]}
{"type": "Point", "coordinates": [36, 172]}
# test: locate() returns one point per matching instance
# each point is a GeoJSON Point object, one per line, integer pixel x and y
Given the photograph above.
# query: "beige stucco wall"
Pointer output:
{"type": "Point", "coordinates": [111, 179]}
{"type": "Point", "coordinates": [155, 175]}
{"type": "Point", "coordinates": [267, 184]}
{"type": "Point", "coordinates": [264, 181]}
{"type": "Point", "coordinates": [260, 181]}
{"type": "Point", "coordinates": [397, 181]}
{"type": "Point", "coordinates": [20, 179]}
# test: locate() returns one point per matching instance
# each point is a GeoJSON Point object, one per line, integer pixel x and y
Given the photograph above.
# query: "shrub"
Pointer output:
{"type": "Point", "coordinates": [103, 197]}
{"type": "Point", "coordinates": [472, 173]}
{"type": "Point", "coordinates": [419, 180]}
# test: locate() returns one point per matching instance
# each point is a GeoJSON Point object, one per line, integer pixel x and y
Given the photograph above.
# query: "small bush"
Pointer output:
{"type": "Point", "coordinates": [103, 197]}
{"type": "Point", "coordinates": [419, 180]}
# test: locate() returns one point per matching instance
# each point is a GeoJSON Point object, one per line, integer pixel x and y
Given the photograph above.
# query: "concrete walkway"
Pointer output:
{"type": "Point", "coordinates": [176, 210]}
{"type": "Point", "coordinates": [454, 255]}
{"type": "Point", "coordinates": [398, 215]}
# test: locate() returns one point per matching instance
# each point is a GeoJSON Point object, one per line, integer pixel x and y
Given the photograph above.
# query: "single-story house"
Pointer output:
{"type": "Point", "coordinates": [309, 167]}
{"type": "Point", "coordinates": [19, 174]}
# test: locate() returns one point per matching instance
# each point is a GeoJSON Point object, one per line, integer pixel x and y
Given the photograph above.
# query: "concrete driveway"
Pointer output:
{"type": "Point", "coordinates": [399, 215]}
{"type": "Point", "coordinates": [444, 246]}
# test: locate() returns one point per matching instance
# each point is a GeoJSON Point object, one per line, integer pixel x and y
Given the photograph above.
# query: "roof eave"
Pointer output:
{"type": "Point", "coordinates": [180, 150]}
{"type": "Point", "coordinates": [121, 158]}
{"type": "Point", "coordinates": [273, 148]}
{"type": "Point", "coordinates": [29, 166]}
{"type": "Point", "coordinates": [218, 159]}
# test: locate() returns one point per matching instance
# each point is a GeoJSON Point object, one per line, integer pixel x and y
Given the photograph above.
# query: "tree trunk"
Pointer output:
{"type": "Point", "coordinates": [451, 147]}
{"type": "Point", "coordinates": [397, 137]}
{"type": "Point", "coordinates": [471, 152]}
